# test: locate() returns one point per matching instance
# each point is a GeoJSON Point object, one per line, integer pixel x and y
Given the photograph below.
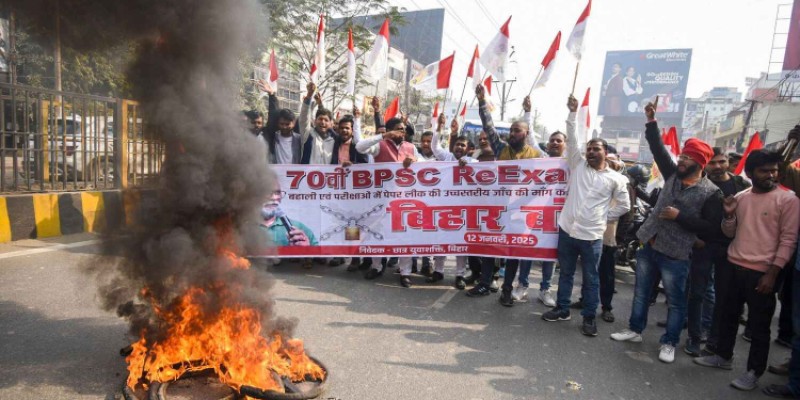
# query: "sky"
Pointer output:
{"type": "Point", "coordinates": [731, 40]}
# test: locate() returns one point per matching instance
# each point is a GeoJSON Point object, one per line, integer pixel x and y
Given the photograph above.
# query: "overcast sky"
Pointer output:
{"type": "Point", "coordinates": [731, 40]}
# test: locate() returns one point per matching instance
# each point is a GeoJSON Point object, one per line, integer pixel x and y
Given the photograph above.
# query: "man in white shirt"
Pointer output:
{"type": "Point", "coordinates": [592, 187]}
{"type": "Point", "coordinates": [317, 143]}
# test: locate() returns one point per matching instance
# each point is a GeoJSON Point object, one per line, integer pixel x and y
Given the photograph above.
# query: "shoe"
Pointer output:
{"type": "Point", "coordinates": [520, 294]}
{"type": "Point", "coordinates": [692, 348]}
{"type": "Point", "coordinates": [435, 277]}
{"type": "Point", "coordinates": [783, 342]}
{"type": "Point", "coordinates": [714, 361]}
{"type": "Point", "coordinates": [627, 335]}
{"type": "Point", "coordinates": [372, 274]}
{"type": "Point", "coordinates": [667, 353]}
{"type": "Point", "coordinates": [505, 298]}
{"type": "Point", "coordinates": [779, 391]}
{"type": "Point", "coordinates": [335, 262]}
{"type": "Point", "coordinates": [460, 283]}
{"type": "Point", "coordinates": [607, 316]}
{"type": "Point", "coordinates": [780, 369]}
{"type": "Point", "coordinates": [478, 291]}
{"type": "Point", "coordinates": [589, 327]}
{"type": "Point", "coordinates": [747, 381]}
{"type": "Point", "coordinates": [546, 297]}
{"type": "Point", "coordinates": [494, 287]}
{"type": "Point", "coordinates": [746, 337]}
{"type": "Point", "coordinates": [557, 314]}
{"type": "Point", "coordinates": [578, 305]}
{"type": "Point", "coordinates": [405, 281]}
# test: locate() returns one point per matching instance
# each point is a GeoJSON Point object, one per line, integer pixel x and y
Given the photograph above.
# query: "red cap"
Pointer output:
{"type": "Point", "coordinates": [699, 151]}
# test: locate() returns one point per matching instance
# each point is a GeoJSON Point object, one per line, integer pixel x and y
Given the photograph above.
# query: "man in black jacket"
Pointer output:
{"type": "Point", "coordinates": [283, 143]}
{"type": "Point", "coordinates": [345, 145]}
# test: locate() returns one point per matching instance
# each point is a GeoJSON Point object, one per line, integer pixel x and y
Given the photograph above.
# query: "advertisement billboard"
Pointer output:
{"type": "Point", "coordinates": [791, 59]}
{"type": "Point", "coordinates": [633, 78]}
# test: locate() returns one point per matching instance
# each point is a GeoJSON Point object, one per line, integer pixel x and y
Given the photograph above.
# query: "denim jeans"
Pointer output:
{"type": "Point", "coordinates": [673, 276]}
{"type": "Point", "coordinates": [547, 274]}
{"type": "Point", "coordinates": [699, 280]}
{"type": "Point", "coordinates": [569, 249]}
{"type": "Point", "coordinates": [524, 272]}
{"type": "Point", "coordinates": [794, 363]}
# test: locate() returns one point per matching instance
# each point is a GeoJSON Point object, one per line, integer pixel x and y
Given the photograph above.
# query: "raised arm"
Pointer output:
{"type": "Point", "coordinates": [488, 124]}
{"type": "Point", "coordinates": [370, 146]}
{"type": "Point", "coordinates": [356, 124]}
{"type": "Point", "coordinates": [661, 156]}
{"type": "Point", "coordinates": [305, 111]}
{"type": "Point", "coordinates": [574, 153]}
{"type": "Point", "coordinates": [376, 106]}
{"type": "Point", "coordinates": [528, 118]}
{"type": "Point", "coordinates": [438, 152]}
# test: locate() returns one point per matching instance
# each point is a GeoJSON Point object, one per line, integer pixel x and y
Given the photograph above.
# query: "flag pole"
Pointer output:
{"type": "Point", "coordinates": [464, 89]}
{"type": "Point", "coordinates": [575, 79]}
{"type": "Point", "coordinates": [537, 79]}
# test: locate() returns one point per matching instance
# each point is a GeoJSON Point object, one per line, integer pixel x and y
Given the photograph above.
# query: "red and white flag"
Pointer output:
{"type": "Point", "coordinates": [462, 116]}
{"type": "Point", "coordinates": [548, 62]}
{"type": "Point", "coordinates": [575, 41]}
{"type": "Point", "coordinates": [318, 65]}
{"type": "Point", "coordinates": [583, 120]}
{"type": "Point", "coordinates": [436, 110]}
{"type": "Point", "coordinates": [378, 58]}
{"type": "Point", "coordinates": [434, 76]}
{"type": "Point", "coordinates": [754, 144]}
{"type": "Point", "coordinates": [392, 110]}
{"type": "Point", "coordinates": [350, 89]}
{"type": "Point", "coordinates": [487, 83]}
{"type": "Point", "coordinates": [474, 70]}
{"type": "Point", "coordinates": [273, 71]}
{"type": "Point", "coordinates": [495, 56]}
{"type": "Point", "coordinates": [672, 143]}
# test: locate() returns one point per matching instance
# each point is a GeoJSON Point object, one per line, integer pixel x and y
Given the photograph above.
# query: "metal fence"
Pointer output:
{"type": "Point", "coordinates": [59, 141]}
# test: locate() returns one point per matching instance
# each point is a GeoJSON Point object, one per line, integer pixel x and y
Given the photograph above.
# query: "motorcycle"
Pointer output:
{"type": "Point", "coordinates": [627, 242]}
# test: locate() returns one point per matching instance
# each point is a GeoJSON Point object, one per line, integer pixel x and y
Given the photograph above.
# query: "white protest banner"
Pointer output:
{"type": "Point", "coordinates": [503, 209]}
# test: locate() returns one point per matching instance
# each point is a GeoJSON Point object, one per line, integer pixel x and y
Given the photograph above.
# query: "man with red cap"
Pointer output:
{"type": "Point", "coordinates": [688, 206]}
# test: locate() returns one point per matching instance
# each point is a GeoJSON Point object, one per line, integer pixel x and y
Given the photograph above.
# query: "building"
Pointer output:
{"type": "Point", "coordinates": [707, 111]}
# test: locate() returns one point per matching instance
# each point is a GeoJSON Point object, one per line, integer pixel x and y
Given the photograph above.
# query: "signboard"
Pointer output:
{"type": "Point", "coordinates": [631, 79]}
{"type": "Point", "coordinates": [501, 209]}
{"type": "Point", "coordinates": [791, 59]}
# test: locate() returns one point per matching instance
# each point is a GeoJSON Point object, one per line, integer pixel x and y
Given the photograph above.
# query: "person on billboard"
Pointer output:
{"type": "Point", "coordinates": [613, 92]}
{"type": "Point", "coordinates": [632, 86]}
{"type": "Point", "coordinates": [280, 229]}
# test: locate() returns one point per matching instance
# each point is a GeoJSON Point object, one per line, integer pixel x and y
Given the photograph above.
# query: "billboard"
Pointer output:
{"type": "Point", "coordinates": [633, 78]}
{"type": "Point", "coordinates": [791, 59]}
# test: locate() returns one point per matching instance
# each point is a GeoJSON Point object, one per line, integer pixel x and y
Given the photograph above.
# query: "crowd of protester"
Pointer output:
{"type": "Point", "coordinates": [721, 247]}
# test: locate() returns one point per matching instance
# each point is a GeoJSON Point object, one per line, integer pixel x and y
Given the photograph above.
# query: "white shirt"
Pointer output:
{"type": "Point", "coordinates": [588, 206]}
{"type": "Point", "coordinates": [443, 155]}
{"type": "Point", "coordinates": [321, 149]}
{"type": "Point", "coordinates": [283, 152]}
{"type": "Point", "coordinates": [372, 146]}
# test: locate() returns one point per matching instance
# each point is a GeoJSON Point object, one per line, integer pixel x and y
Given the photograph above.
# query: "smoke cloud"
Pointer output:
{"type": "Point", "coordinates": [186, 77]}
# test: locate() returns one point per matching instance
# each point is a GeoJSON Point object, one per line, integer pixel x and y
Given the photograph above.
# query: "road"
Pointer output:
{"type": "Point", "coordinates": [379, 340]}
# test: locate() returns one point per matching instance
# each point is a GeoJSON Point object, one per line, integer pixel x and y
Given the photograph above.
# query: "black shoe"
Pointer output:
{"type": "Point", "coordinates": [372, 274]}
{"type": "Point", "coordinates": [783, 342]}
{"type": "Point", "coordinates": [589, 327]}
{"type": "Point", "coordinates": [405, 281]}
{"type": "Point", "coordinates": [506, 299]}
{"type": "Point", "coordinates": [780, 369]}
{"type": "Point", "coordinates": [607, 316]}
{"type": "Point", "coordinates": [578, 305]}
{"type": "Point", "coordinates": [435, 277]}
{"type": "Point", "coordinates": [778, 391]}
{"type": "Point", "coordinates": [557, 314]}
{"type": "Point", "coordinates": [478, 291]}
{"type": "Point", "coordinates": [460, 283]}
{"type": "Point", "coordinates": [494, 287]}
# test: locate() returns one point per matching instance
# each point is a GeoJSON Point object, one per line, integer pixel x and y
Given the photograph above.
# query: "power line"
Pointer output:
{"type": "Point", "coordinates": [460, 21]}
{"type": "Point", "coordinates": [488, 14]}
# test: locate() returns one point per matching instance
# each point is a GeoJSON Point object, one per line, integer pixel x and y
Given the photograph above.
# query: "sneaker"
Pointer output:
{"type": "Point", "coordinates": [405, 281]}
{"type": "Point", "coordinates": [578, 305]}
{"type": "Point", "coordinates": [780, 369]}
{"type": "Point", "coordinates": [783, 342]}
{"type": "Point", "coordinates": [748, 381]}
{"type": "Point", "coordinates": [372, 274]}
{"type": "Point", "coordinates": [714, 361]}
{"type": "Point", "coordinates": [692, 348]}
{"type": "Point", "coordinates": [506, 299]}
{"type": "Point", "coordinates": [460, 283]}
{"type": "Point", "coordinates": [589, 327]}
{"type": "Point", "coordinates": [478, 291]}
{"type": "Point", "coordinates": [627, 335]}
{"type": "Point", "coordinates": [667, 353]}
{"type": "Point", "coordinates": [547, 298]}
{"type": "Point", "coordinates": [435, 277]}
{"type": "Point", "coordinates": [557, 314]}
{"type": "Point", "coordinates": [494, 287]}
{"type": "Point", "coordinates": [520, 294]}
{"type": "Point", "coordinates": [607, 316]}
{"type": "Point", "coordinates": [779, 391]}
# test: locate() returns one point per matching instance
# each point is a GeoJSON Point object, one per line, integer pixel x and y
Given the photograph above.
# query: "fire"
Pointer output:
{"type": "Point", "coordinates": [227, 339]}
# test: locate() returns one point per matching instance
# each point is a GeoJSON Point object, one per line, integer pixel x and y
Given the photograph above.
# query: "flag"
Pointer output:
{"type": "Point", "coordinates": [575, 41]}
{"type": "Point", "coordinates": [672, 143]}
{"type": "Point", "coordinates": [392, 110]}
{"type": "Point", "coordinates": [318, 65]}
{"type": "Point", "coordinates": [350, 89]}
{"type": "Point", "coordinates": [434, 76]}
{"type": "Point", "coordinates": [487, 83]}
{"type": "Point", "coordinates": [436, 110]}
{"type": "Point", "coordinates": [495, 57]}
{"type": "Point", "coordinates": [548, 62]}
{"type": "Point", "coordinates": [474, 70]}
{"type": "Point", "coordinates": [378, 58]}
{"type": "Point", "coordinates": [755, 144]}
{"type": "Point", "coordinates": [273, 71]}
{"type": "Point", "coordinates": [462, 116]}
{"type": "Point", "coordinates": [584, 120]}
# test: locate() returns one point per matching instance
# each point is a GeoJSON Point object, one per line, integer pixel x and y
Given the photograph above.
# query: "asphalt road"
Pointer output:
{"type": "Point", "coordinates": [379, 340]}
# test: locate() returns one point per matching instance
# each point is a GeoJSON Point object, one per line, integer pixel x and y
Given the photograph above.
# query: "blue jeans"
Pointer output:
{"type": "Point", "coordinates": [547, 274]}
{"type": "Point", "coordinates": [673, 276]}
{"type": "Point", "coordinates": [794, 363]}
{"type": "Point", "coordinates": [700, 273]}
{"type": "Point", "coordinates": [569, 249]}
{"type": "Point", "coordinates": [524, 272]}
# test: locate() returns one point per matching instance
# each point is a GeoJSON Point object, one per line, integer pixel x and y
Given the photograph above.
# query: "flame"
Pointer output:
{"type": "Point", "coordinates": [227, 339]}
